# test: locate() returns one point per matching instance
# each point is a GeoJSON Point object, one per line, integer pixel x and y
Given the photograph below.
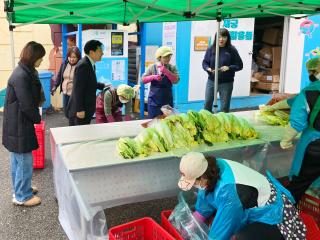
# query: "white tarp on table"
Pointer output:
{"type": "Point", "coordinates": [90, 176]}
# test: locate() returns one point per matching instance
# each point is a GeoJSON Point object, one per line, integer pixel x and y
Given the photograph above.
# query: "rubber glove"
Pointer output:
{"type": "Point", "coordinates": [192, 225]}
{"type": "Point", "coordinates": [127, 118]}
{"type": "Point", "coordinates": [110, 119]}
{"type": "Point", "coordinates": [151, 78]}
{"type": "Point", "coordinates": [289, 134]}
{"type": "Point", "coordinates": [172, 77]}
{"type": "Point", "coordinates": [283, 104]}
{"type": "Point", "coordinates": [199, 217]}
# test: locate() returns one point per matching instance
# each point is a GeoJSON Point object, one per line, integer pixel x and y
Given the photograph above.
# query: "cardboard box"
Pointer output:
{"type": "Point", "coordinates": [267, 86]}
{"type": "Point", "coordinates": [270, 78]}
{"type": "Point", "coordinates": [276, 57]}
{"type": "Point", "coordinates": [266, 53]}
{"type": "Point", "coordinates": [266, 78]}
{"type": "Point", "coordinates": [272, 71]}
{"type": "Point", "coordinates": [264, 62]}
{"type": "Point", "coordinates": [272, 36]}
{"type": "Point", "coordinates": [272, 54]}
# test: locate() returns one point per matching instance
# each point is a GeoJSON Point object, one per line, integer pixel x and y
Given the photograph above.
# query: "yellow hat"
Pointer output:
{"type": "Point", "coordinates": [163, 51]}
{"type": "Point", "coordinates": [125, 91]}
{"type": "Point", "coordinates": [313, 64]}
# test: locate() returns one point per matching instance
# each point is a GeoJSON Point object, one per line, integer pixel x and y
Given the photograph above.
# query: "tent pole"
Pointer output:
{"type": "Point", "coordinates": [216, 69]}
{"type": "Point", "coordinates": [12, 46]}
{"type": "Point", "coordinates": [143, 43]}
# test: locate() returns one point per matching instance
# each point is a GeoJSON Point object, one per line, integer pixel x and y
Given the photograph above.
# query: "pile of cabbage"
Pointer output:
{"type": "Point", "coordinates": [186, 130]}
{"type": "Point", "coordinates": [274, 117]}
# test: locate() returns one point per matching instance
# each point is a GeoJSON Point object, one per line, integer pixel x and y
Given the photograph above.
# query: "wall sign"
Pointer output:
{"type": "Point", "coordinates": [201, 43]}
{"type": "Point", "coordinates": [116, 43]}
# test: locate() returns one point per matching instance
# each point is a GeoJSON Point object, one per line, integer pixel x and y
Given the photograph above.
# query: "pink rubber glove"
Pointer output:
{"type": "Point", "coordinates": [199, 217]}
{"type": "Point", "coordinates": [110, 119]}
{"type": "Point", "coordinates": [172, 77]}
{"type": "Point", "coordinates": [151, 78]}
{"type": "Point", "coordinates": [127, 118]}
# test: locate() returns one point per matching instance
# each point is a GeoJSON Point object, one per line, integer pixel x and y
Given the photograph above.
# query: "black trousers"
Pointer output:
{"type": "Point", "coordinates": [74, 121]}
{"type": "Point", "coordinates": [310, 171]}
{"type": "Point", "coordinates": [259, 231]}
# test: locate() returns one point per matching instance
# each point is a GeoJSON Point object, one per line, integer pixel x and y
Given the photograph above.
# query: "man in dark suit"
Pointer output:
{"type": "Point", "coordinates": [82, 103]}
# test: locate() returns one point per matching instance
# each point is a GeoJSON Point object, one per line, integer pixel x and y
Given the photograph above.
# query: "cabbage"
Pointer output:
{"type": "Point", "coordinates": [277, 117]}
{"type": "Point", "coordinates": [164, 132]}
{"type": "Point", "coordinates": [127, 147]}
{"type": "Point", "coordinates": [185, 131]}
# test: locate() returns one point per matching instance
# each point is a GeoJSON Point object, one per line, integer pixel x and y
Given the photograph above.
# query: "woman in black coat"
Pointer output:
{"type": "Point", "coordinates": [24, 95]}
{"type": "Point", "coordinates": [229, 63]}
{"type": "Point", "coordinates": [65, 75]}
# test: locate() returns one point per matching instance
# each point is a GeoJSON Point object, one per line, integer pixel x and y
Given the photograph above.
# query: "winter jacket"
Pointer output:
{"type": "Point", "coordinates": [228, 56]}
{"type": "Point", "coordinates": [21, 110]}
{"type": "Point", "coordinates": [59, 78]}
{"type": "Point", "coordinates": [84, 89]}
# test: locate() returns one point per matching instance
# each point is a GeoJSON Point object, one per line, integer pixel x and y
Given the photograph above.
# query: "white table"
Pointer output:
{"type": "Point", "coordinates": [90, 176]}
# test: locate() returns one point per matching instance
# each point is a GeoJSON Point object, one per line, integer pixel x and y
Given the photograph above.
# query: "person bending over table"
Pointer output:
{"type": "Point", "coordinates": [246, 204]}
{"type": "Point", "coordinates": [110, 101]}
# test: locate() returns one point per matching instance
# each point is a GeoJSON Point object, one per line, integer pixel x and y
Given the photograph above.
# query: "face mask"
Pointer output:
{"type": "Point", "coordinates": [199, 187]}
{"type": "Point", "coordinates": [313, 78]}
{"type": "Point", "coordinates": [123, 100]}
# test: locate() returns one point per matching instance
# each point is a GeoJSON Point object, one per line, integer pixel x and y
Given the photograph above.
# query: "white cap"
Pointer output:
{"type": "Point", "coordinates": [192, 166]}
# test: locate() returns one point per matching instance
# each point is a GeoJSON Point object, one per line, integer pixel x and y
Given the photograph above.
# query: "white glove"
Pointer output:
{"type": "Point", "coordinates": [289, 134]}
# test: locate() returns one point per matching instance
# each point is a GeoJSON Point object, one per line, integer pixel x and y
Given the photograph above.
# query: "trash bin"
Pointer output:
{"type": "Point", "coordinates": [45, 79]}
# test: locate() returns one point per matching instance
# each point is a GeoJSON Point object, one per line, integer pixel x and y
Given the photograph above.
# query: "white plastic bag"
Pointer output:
{"type": "Point", "coordinates": [183, 220]}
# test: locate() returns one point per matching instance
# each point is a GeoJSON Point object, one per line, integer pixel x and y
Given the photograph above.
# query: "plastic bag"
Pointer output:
{"type": "Point", "coordinates": [168, 110]}
{"type": "Point", "coordinates": [183, 220]}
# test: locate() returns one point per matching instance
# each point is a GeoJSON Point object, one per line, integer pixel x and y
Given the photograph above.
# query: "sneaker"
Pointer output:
{"type": "Point", "coordinates": [29, 203]}
{"type": "Point", "coordinates": [34, 191]}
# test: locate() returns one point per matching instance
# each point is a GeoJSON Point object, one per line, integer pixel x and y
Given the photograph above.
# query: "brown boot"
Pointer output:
{"type": "Point", "coordinates": [35, 200]}
{"type": "Point", "coordinates": [34, 190]}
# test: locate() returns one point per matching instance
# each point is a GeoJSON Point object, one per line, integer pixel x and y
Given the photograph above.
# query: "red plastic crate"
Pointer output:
{"type": "Point", "coordinates": [313, 232]}
{"type": "Point", "coordinates": [141, 229]}
{"type": "Point", "coordinates": [39, 154]}
{"type": "Point", "coordinates": [311, 206]}
{"type": "Point", "coordinates": [168, 226]}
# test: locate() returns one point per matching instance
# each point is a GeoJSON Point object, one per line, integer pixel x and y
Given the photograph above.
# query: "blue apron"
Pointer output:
{"type": "Point", "coordinates": [308, 135]}
{"type": "Point", "coordinates": [160, 94]}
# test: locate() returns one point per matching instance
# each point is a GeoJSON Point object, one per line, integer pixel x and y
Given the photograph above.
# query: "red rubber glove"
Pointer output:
{"type": "Point", "coordinates": [172, 77]}
{"type": "Point", "coordinates": [151, 78]}
{"type": "Point", "coordinates": [127, 118]}
{"type": "Point", "coordinates": [110, 119]}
